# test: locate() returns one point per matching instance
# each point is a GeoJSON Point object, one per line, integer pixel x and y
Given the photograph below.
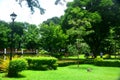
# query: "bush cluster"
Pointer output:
{"type": "Point", "coordinates": [96, 61]}
{"type": "Point", "coordinates": [42, 63]}
{"type": "Point", "coordinates": [16, 66]}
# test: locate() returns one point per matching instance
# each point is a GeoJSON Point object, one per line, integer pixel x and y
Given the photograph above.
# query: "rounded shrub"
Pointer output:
{"type": "Point", "coordinates": [16, 66]}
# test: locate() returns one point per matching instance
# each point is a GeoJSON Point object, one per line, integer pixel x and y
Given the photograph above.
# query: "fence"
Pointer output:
{"type": "Point", "coordinates": [16, 51]}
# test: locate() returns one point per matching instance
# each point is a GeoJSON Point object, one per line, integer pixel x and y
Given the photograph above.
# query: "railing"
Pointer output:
{"type": "Point", "coordinates": [18, 51]}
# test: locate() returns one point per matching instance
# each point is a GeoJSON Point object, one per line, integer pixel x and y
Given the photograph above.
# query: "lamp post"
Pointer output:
{"type": "Point", "coordinates": [13, 17]}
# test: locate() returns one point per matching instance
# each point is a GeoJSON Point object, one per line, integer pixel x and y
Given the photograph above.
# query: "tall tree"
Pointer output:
{"type": "Point", "coordinates": [52, 38]}
{"type": "Point", "coordinates": [31, 37]}
{"type": "Point", "coordinates": [93, 19]}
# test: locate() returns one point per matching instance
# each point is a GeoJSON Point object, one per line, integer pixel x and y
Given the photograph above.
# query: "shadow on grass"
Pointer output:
{"type": "Point", "coordinates": [15, 76]}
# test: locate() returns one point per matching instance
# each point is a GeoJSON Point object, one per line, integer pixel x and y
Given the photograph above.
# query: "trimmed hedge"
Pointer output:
{"type": "Point", "coordinates": [97, 62]}
{"type": "Point", "coordinates": [41, 63]}
{"type": "Point", "coordinates": [108, 63]}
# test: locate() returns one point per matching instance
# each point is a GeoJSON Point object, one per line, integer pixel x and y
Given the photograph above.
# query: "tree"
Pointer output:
{"type": "Point", "coordinates": [52, 38]}
{"type": "Point", "coordinates": [92, 19]}
{"type": "Point", "coordinates": [17, 29]}
{"type": "Point", "coordinates": [103, 7]}
{"type": "Point", "coordinates": [4, 32]}
{"type": "Point", "coordinates": [25, 35]}
{"type": "Point", "coordinates": [31, 37]}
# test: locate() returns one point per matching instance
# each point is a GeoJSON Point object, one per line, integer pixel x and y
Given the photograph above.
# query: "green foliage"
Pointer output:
{"type": "Point", "coordinates": [41, 63]}
{"type": "Point", "coordinates": [4, 32]}
{"type": "Point", "coordinates": [52, 38]}
{"type": "Point", "coordinates": [25, 35]}
{"type": "Point", "coordinates": [57, 55]}
{"type": "Point", "coordinates": [54, 66]}
{"type": "Point", "coordinates": [98, 59]}
{"type": "Point", "coordinates": [86, 20]}
{"type": "Point", "coordinates": [108, 63]}
{"type": "Point", "coordinates": [87, 61]}
{"type": "Point", "coordinates": [90, 20]}
{"type": "Point", "coordinates": [101, 62]}
{"type": "Point", "coordinates": [106, 56]}
{"type": "Point", "coordinates": [31, 37]}
{"type": "Point", "coordinates": [105, 3]}
{"type": "Point", "coordinates": [55, 20]}
{"type": "Point", "coordinates": [43, 52]}
{"type": "Point", "coordinates": [16, 66]}
{"type": "Point", "coordinates": [72, 50]}
{"type": "Point", "coordinates": [17, 31]}
{"type": "Point", "coordinates": [4, 65]}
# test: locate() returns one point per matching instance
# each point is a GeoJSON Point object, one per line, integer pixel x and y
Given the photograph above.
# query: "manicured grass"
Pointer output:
{"type": "Point", "coordinates": [70, 73]}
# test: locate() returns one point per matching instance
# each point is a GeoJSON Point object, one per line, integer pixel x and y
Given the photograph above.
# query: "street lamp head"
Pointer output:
{"type": "Point", "coordinates": [13, 16]}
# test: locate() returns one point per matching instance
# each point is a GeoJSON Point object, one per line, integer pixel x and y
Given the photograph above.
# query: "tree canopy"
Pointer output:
{"type": "Point", "coordinates": [93, 19]}
{"type": "Point", "coordinates": [52, 38]}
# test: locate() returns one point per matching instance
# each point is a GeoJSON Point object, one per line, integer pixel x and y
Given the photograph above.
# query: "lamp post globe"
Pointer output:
{"type": "Point", "coordinates": [13, 16]}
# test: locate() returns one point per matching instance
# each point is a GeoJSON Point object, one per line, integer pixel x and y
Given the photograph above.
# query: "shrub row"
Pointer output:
{"type": "Point", "coordinates": [42, 63]}
{"type": "Point", "coordinates": [97, 62]}
{"type": "Point", "coordinates": [108, 63]}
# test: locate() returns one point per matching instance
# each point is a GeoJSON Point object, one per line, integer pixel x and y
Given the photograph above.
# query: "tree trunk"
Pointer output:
{"type": "Point", "coordinates": [78, 60]}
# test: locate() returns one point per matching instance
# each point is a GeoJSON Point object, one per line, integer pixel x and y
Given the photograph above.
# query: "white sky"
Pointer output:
{"type": "Point", "coordinates": [23, 13]}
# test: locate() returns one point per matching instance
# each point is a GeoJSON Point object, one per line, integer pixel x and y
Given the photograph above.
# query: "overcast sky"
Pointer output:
{"type": "Point", "coordinates": [23, 13]}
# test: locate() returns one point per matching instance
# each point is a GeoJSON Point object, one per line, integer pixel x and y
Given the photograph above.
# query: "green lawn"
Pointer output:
{"type": "Point", "coordinates": [70, 73]}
